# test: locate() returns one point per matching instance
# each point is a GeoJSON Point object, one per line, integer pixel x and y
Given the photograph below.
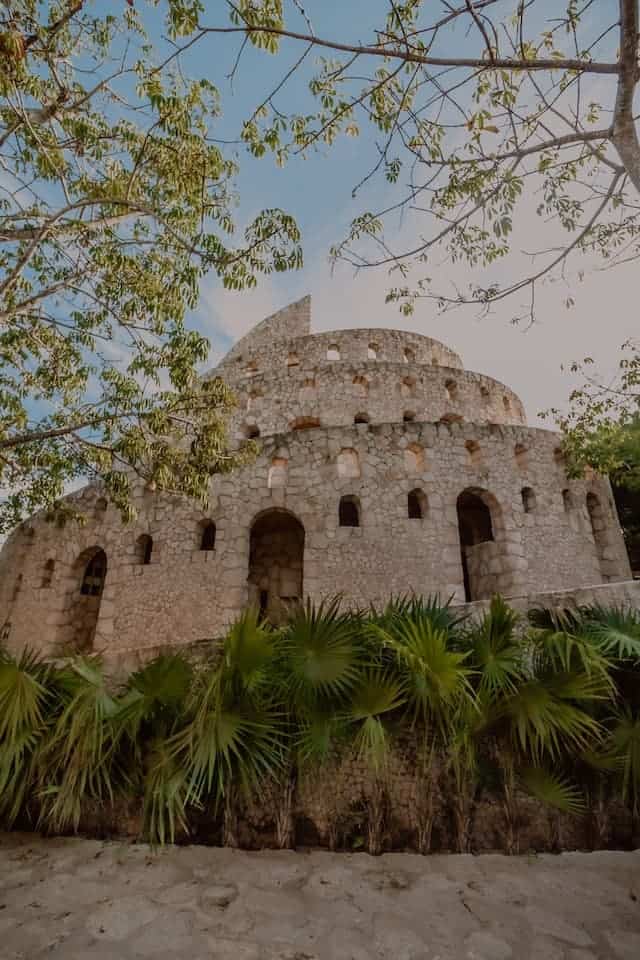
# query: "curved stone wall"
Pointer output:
{"type": "Point", "coordinates": [335, 393]}
{"type": "Point", "coordinates": [440, 488]}
{"type": "Point", "coordinates": [187, 594]}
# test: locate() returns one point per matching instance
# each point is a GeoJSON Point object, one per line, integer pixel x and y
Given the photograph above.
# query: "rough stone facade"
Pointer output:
{"type": "Point", "coordinates": [384, 467]}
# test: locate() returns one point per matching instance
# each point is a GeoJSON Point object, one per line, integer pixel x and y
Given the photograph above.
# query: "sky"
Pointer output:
{"type": "Point", "coordinates": [317, 191]}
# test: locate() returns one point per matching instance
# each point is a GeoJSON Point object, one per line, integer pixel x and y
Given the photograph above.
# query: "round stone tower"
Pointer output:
{"type": "Point", "coordinates": [384, 468]}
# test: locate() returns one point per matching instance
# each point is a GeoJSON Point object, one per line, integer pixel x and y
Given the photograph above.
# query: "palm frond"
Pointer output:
{"type": "Point", "coordinates": [320, 646]}
{"type": "Point", "coordinates": [553, 790]}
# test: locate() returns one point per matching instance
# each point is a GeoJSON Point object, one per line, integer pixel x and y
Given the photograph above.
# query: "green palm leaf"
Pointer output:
{"type": "Point", "coordinates": [497, 655]}
{"type": "Point", "coordinates": [553, 790]}
{"type": "Point", "coordinates": [378, 693]}
{"type": "Point", "coordinates": [321, 653]}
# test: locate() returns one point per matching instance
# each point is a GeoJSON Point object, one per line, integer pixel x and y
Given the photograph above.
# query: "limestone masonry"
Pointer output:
{"type": "Point", "coordinates": [384, 467]}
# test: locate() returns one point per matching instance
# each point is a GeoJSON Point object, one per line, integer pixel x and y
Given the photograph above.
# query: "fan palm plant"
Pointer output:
{"type": "Point", "coordinates": [419, 638]}
{"type": "Point", "coordinates": [27, 709]}
{"type": "Point", "coordinates": [79, 761]}
{"type": "Point", "coordinates": [234, 733]}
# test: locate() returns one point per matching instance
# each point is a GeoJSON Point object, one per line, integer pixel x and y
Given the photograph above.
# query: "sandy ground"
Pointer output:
{"type": "Point", "coordinates": [78, 899]}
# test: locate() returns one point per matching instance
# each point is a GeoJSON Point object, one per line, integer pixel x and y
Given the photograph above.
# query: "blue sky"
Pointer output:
{"type": "Point", "coordinates": [317, 191]}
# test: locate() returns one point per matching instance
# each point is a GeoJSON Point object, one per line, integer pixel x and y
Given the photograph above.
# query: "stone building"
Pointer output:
{"type": "Point", "coordinates": [384, 467]}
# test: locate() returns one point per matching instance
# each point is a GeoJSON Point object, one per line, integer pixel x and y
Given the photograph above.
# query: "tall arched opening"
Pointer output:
{"type": "Point", "coordinates": [90, 571]}
{"type": "Point", "coordinates": [276, 556]}
{"type": "Point", "coordinates": [483, 566]}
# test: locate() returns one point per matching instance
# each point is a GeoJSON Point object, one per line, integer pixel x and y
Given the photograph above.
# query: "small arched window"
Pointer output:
{"type": "Point", "coordinates": [451, 390]}
{"type": "Point", "coordinates": [507, 404]}
{"type": "Point", "coordinates": [100, 507]}
{"type": "Point", "coordinates": [348, 463]}
{"type": "Point", "coordinates": [278, 472]}
{"type": "Point", "coordinates": [414, 460]}
{"type": "Point", "coordinates": [528, 499]}
{"type": "Point", "coordinates": [361, 418]}
{"type": "Point", "coordinates": [362, 386]}
{"type": "Point", "coordinates": [144, 549]}
{"type": "Point", "coordinates": [252, 431]}
{"type": "Point", "coordinates": [475, 453]}
{"type": "Point", "coordinates": [567, 500]}
{"type": "Point", "coordinates": [521, 455]}
{"type": "Point", "coordinates": [558, 457]}
{"type": "Point", "coordinates": [49, 569]}
{"type": "Point", "coordinates": [333, 352]}
{"type": "Point", "coordinates": [251, 368]}
{"type": "Point", "coordinates": [417, 505]}
{"type": "Point", "coordinates": [485, 393]}
{"type": "Point", "coordinates": [408, 416]}
{"type": "Point", "coordinates": [94, 575]}
{"type": "Point", "coordinates": [293, 360]}
{"type": "Point", "coordinates": [408, 356]}
{"type": "Point", "coordinates": [408, 387]}
{"type": "Point", "coordinates": [207, 535]}
{"type": "Point", "coordinates": [372, 351]}
{"type": "Point", "coordinates": [349, 512]}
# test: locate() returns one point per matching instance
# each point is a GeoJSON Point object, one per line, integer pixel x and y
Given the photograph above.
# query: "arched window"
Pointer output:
{"type": "Point", "coordinates": [414, 460]}
{"type": "Point", "coordinates": [475, 453]}
{"type": "Point", "coordinates": [100, 507]}
{"type": "Point", "coordinates": [348, 463]}
{"type": "Point", "coordinates": [567, 500]}
{"type": "Point", "coordinates": [278, 472]}
{"type": "Point", "coordinates": [372, 351]}
{"type": "Point", "coordinates": [408, 387]}
{"type": "Point", "coordinates": [408, 356]}
{"type": "Point", "coordinates": [293, 360]}
{"type": "Point", "coordinates": [94, 575]}
{"type": "Point", "coordinates": [528, 499]}
{"type": "Point", "coordinates": [362, 386]}
{"type": "Point", "coordinates": [558, 457]}
{"type": "Point", "coordinates": [485, 393]}
{"type": "Point", "coordinates": [144, 549]}
{"type": "Point", "coordinates": [252, 431]}
{"type": "Point", "coordinates": [49, 569]}
{"type": "Point", "coordinates": [408, 416]}
{"type": "Point", "coordinates": [361, 418]}
{"type": "Point", "coordinates": [521, 455]}
{"type": "Point", "coordinates": [507, 404]}
{"type": "Point", "coordinates": [333, 352]}
{"type": "Point", "coordinates": [207, 535]}
{"type": "Point", "coordinates": [417, 505]}
{"type": "Point", "coordinates": [451, 390]}
{"type": "Point", "coordinates": [349, 512]}
{"type": "Point", "coordinates": [475, 526]}
{"type": "Point", "coordinates": [251, 368]}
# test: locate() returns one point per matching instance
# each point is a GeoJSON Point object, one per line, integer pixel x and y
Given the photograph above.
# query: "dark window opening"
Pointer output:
{"type": "Point", "coordinates": [208, 538]}
{"type": "Point", "coordinates": [349, 512]}
{"type": "Point", "coordinates": [528, 499]}
{"type": "Point", "coordinates": [94, 574]}
{"type": "Point", "coordinates": [361, 418]}
{"type": "Point", "coordinates": [474, 518]}
{"type": "Point", "coordinates": [144, 549]}
{"type": "Point", "coordinates": [416, 505]}
{"type": "Point", "coordinates": [408, 416]}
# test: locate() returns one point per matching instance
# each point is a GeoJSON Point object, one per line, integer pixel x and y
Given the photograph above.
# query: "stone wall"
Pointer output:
{"type": "Point", "coordinates": [401, 485]}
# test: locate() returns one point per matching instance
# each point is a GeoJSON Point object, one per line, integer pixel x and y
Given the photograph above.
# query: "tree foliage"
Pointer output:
{"type": "Point", "coordinates": [115, 200]}
{"type": "Point", "coordinates": [475, 107]}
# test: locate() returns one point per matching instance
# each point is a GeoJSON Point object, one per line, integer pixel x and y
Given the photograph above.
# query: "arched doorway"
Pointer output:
{"type": "Point", "coordinates": [276, 555]}
{"type": "Point", "coordinates": [90, 572]}
{"type": "Point", "coordinates": [478, 516]}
